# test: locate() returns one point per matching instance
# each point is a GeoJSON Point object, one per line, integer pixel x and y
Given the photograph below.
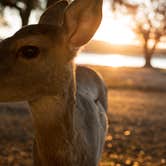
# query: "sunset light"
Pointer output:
{"type": "Point", "coordinates": [115, 31]}
{"type": "Point", "coordinates": [110, 61]}
{"type": "Point", "coordinates": [82, 82]}
{"type": "Point", "coordinates": [116, 60]}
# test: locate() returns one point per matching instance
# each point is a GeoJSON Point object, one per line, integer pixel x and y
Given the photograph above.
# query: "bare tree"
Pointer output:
{"type": "Point", "coordinates": [149, 23]}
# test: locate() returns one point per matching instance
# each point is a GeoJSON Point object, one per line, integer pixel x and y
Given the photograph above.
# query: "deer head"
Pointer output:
{"type": "Point", "coordinates": [36, 65]}
{"type": "Point", "coordinates": [36, 61]}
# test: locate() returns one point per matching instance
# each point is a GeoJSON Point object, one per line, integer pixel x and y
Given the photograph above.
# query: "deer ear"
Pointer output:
{"type": "Point", "coordinates": [82, 19]}
{"type": "Point", "coordinates": [54, 15]}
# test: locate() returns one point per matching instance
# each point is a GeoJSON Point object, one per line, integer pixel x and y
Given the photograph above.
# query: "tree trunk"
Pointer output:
{"type": "Point", "coordinates": [148, 60]}
{"type": "Point", "coordinates": [147, 54]}
{"type": "Point", "coordinates": [25, 17]}
{"type": "Point", "coordinates": [25, 14]}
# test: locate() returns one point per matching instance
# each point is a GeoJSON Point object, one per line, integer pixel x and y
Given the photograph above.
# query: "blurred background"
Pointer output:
{"type": "Point", "coordinates": [129, 51]}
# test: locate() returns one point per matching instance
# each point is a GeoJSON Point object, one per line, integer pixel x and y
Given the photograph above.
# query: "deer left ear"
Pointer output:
{"type": "Point", "coordinates": [54, 15]}
{"type": "Point", "coordinates": [82, 19]}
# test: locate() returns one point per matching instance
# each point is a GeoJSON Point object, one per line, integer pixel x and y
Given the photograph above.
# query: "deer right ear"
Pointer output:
{"type": "Point", "coordinates": [54, 15]}
{"type": "Point", "coordinates": [82, 19]}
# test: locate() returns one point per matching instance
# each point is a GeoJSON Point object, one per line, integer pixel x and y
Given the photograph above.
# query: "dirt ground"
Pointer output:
{"type": "Point", "coordinates": [137, 133]}
{"type": "Point", "coordinates": [137, 116]}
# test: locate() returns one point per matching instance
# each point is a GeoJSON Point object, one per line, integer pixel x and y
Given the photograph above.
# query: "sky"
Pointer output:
{"type": "Point", "coordinates": [114, 30]}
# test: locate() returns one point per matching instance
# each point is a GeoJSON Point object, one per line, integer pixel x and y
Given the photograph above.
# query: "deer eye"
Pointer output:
{"type": "Point", "coordinates": [28, 52]}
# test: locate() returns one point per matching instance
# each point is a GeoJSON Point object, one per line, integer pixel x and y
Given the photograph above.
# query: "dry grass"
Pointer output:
{"type": "Point", "coordinates": [137, 114]}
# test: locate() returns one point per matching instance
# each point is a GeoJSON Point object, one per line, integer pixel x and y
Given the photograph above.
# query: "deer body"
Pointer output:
{"type": "Point", "coordinates": [78, 137]}
{"type": "Point", "coordinates": [68, 103]}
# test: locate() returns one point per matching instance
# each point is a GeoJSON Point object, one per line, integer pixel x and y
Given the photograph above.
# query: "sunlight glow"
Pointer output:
{"type": "Point", "coordinates": [109, 60]}
{"type": "Point", "coordinates": [13, 21]}
{"type": "Point", "coordinates": [115, 60]}
{"type": "Point", "coordinates": [114, 30]}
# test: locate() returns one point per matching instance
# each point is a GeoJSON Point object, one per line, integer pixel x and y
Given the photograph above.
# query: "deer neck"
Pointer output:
{"type": "Point", "coordinates": [53, 123]}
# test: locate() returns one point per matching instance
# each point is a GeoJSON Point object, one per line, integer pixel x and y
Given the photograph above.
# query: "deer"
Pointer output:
{"type": "Point", "coordinates": [68, 103]}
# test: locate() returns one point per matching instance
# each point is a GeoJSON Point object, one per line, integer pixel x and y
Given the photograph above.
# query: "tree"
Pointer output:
{"type": "Point", "coordinates": [24, 7]}
{"type": "Point", "coordinates": [149, 23]}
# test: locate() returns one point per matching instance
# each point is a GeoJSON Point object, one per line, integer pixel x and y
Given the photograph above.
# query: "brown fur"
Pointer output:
{"type": "Point", "coordinates": [68, 105]}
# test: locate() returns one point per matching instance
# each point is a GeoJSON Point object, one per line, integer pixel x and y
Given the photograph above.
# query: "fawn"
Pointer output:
{"type": "Point", "coordinates": [68, 103]}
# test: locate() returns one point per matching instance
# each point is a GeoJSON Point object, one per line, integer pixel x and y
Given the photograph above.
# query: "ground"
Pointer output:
{"type": "Point", "coordinates": [137, 129]}
{"type": "Point", "coordinates": [137, 114]}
